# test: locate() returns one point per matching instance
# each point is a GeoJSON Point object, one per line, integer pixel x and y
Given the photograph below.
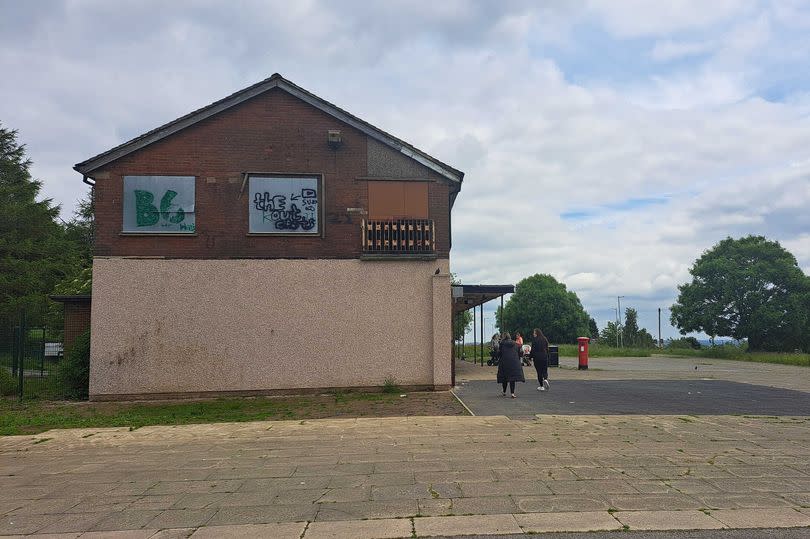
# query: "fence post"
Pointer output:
{"type": "Point", "coordinates": [21, 353]}
{"type": "Point", "coordinates": [14, 340]}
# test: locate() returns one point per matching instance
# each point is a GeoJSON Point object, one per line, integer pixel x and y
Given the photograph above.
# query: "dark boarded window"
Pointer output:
{"type": "Point", "coordinates": [397, 200]}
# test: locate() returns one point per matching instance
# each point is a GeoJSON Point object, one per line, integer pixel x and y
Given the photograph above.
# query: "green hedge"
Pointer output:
{"type": "Point", "coordinates": [8, 384]}
{"type": "Point", "coordinates": [73, 376]}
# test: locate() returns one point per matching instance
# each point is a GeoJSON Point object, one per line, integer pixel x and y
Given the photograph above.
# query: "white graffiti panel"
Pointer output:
{"type": "Point", "coordinates": [284, 205]}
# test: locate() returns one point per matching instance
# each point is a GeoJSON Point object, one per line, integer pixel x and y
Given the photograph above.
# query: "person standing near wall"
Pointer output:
{"type": "Point", "coordinates": [494, 349]}
{"type": "Point", "coordinates": [509, 368]}
{"type": "Point", "coordinates": [539, 354]}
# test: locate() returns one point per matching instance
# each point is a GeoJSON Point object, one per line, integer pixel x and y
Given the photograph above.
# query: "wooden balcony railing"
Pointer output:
{"type": "Point", "coordinates": [401, 236]}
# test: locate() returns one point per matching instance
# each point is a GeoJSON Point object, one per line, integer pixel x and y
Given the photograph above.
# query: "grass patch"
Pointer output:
{"type": "Point", "coordinates": [31, 417]}
{"type": "Point", "coordinates": [741, 354]}
{"type": "Point", "coordinates": [596, 350]}
{"type": "Point", "coordinates": [599, 350]}
{"type": "Point", "coordinates": [473, 352]}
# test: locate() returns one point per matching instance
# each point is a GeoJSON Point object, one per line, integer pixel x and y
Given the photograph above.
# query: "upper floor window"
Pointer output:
{"type": "Point", "coordinates": [396, 200]}
{"type": "Point", "coordinates": [159, 204]}
{"type": "Point", "coordinates": [285, 205]}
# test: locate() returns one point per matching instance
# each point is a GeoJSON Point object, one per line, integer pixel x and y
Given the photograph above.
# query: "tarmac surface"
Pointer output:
{"type": "Point", "coordinates": [650, 397]}
{"type": "Point", "coordinates": [665, 468]}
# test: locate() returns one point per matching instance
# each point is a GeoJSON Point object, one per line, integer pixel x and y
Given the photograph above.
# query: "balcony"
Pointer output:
{"type": "Point", "coordinates": [413, 238]}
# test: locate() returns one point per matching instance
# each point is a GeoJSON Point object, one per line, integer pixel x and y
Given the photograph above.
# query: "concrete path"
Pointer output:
{"type": "Point", "coordinates": [402, 476]}
{"type": "Point", "coordinates": [435, 476]}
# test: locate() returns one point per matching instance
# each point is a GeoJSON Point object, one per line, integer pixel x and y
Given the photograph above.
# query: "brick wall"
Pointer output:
{"type": "Point", "coordinates": [274, 132]}
{"type": "Point", "coordinates": [77, 321]}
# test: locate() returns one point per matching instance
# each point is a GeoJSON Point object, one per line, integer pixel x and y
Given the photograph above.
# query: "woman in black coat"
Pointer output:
{"type": "Point", "coordinates": [539, 354]}
{"type": "Point", "coordinates": [509, 368]}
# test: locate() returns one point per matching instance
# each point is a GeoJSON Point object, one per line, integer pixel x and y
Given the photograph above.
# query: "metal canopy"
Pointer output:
{"type": "Point", "coordinates": [468, 296]}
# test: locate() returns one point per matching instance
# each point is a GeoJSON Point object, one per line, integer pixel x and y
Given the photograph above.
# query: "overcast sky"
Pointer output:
{"type": "Point", "coordinates": [607, 143]}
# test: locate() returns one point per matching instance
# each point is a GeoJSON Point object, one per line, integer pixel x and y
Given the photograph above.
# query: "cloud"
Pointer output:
{"type": "Point", "coordinates": [667, 50]}
{"type": "Point", "coordinates": [613, 181]}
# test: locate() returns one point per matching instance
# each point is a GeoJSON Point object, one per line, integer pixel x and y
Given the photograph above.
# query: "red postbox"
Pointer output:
{"type": "Point", "coordinates": [582, 346]}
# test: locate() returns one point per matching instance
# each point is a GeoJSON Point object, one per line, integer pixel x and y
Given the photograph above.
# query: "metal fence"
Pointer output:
{"type": "Point", "coordinates": [30, 358]}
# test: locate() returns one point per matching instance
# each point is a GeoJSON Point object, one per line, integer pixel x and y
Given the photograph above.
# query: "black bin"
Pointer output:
{"type": "Point", "coordinates": [553, 356]}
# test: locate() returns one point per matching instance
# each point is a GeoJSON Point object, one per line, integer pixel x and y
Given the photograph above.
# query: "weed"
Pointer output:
{"type": "Point", "coordinates": [390, 385]}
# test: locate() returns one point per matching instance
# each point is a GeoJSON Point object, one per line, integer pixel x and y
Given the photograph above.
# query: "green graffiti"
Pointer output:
{"type": "Point", "coordinates": [166, 203]}
{"type": "Point", "coordinates": [146, 214]}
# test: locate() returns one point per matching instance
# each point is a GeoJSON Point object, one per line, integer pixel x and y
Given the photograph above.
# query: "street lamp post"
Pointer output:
{"type": "Point", "coordinates": [617, 326]}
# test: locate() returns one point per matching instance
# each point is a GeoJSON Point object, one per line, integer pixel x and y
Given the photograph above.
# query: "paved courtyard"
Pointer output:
{"type": "Point", "coordinates": [417, 476]}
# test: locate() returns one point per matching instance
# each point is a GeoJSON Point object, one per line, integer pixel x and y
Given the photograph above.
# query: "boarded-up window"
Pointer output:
{"type": "Point", "coordinates": [397, 200]}
{"type": "Point", "coordinates": [159, 204]}
{"type": "Point", "coordinates": [284, 205]}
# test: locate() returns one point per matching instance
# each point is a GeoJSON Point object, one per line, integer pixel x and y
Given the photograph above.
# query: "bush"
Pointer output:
{"type": "Point", "coordinates": [73, 374]}
{"type": "Point", "coordinates": [684, 342]}
{"type": "Point", "coordinates": [8, 384]}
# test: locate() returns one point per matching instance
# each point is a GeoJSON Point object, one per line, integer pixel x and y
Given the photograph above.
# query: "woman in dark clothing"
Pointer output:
{"type": "Point", "coordinates": [509, 368]}
{"type": "Point", "coordinates": [540, 356]}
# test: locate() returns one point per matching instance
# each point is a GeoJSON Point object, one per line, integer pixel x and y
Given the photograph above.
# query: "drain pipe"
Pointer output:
{"type": "Point", "coordinates": [88, 181]}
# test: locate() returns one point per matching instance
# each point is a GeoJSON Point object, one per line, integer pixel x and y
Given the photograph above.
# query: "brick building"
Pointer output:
{"type": "Point", "coordinates": [269, 242]}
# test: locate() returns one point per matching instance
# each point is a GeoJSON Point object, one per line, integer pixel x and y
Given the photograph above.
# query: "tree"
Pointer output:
{"type": "Point", "coordinates": [80, 229]}
{"type": "Point", "coordinates": [748, 288]}
{"type": "Point", "coordinates": [630, 328]}
{"type": "Point", "coordinates": [593, 329]}
{"type": "Point", "coordinates": [34, 251]}
{"type": "Point", "coordinates": [463, 320]}
{"type": "Point", "coordinates": [631, 334]}
{"type": "Point", "coordinates": [609, 334]}
{"type": "Point", "coordinates": [540, 301]}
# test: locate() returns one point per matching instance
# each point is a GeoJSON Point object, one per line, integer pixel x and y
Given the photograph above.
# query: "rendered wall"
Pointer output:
{"type": "Point", "coordinates": [198, 326]}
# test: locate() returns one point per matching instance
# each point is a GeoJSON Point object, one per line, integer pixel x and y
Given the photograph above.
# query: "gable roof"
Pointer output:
{"type": "Point", "coordinates": [275, 81]}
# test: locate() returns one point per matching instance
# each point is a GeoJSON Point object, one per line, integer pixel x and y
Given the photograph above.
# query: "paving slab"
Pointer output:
{"type": "Point", "coordinates": [125, 520]}
{"type": "Point", "coordinates": [182, 518]}
{"type": "Point", "coordinates": [553, 504]}
{"type": "Point", "coordinates": [286, 530]}
{"type": "Point", "coordinates": [44, 536]}
{"type": "Point", "coordinates": [762, 518]}
{"type": "Point", "coordinates": [368, 529]}
{"type": "Point", "coordinates": [375, 509]}
{"type": "Point", "coordinates": [263, 514]}
{"type": "Point", "coordinates": [73, 522]}
{"type": "Point", "coordinates": [489, 505]}
{"type": "Point", "coordinates": [174, 533]}
{"type": "Point", "coordinates": [668, 520]}
{"type": "Point", "coordinates": [121, 534]}
{"type": "Point", "coordinates": [23, 524]}
{"type": "Point", "coordinates": [466, 525]}
{"type": "Point", "coordinates": [580, 521]}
